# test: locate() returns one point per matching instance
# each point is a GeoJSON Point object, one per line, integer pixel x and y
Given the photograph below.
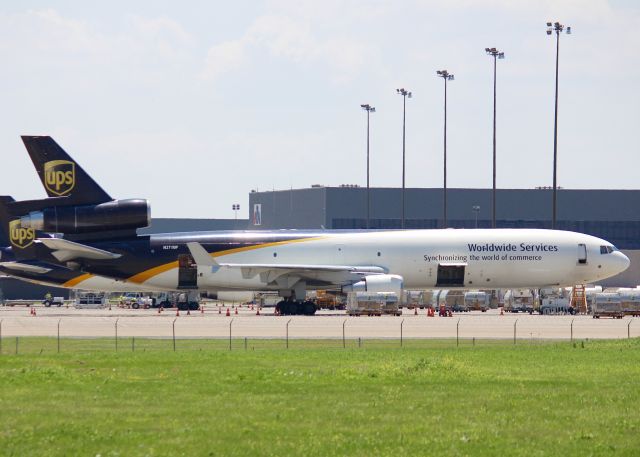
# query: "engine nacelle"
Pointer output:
{"type": "Point", "coordinates": [113, 215]}
{"type": "Point", "coordinates": [377, 283]}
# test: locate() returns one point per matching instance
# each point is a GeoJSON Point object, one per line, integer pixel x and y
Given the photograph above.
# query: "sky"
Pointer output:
{"type": "Point", "coordinates": [193, 104]}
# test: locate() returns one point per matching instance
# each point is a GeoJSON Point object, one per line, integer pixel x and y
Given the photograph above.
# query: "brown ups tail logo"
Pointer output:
{"type": "Point", "coordinates": [20, 237]}
{"type": "Point", "coordinates": [59, 176]}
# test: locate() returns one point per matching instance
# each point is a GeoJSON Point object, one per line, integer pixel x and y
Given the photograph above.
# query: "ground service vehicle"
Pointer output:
{"type": "Point", "coordinates": [53, 301]}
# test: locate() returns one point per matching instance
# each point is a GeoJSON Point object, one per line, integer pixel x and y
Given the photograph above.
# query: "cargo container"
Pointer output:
{"type": "Point", "coordinates": [373, 304]}
{"type": "Point", "coordinates": [630, 300]}
{"type": "Point", "coordinates": [477, 301]}
{"type": "Point", "coordinates": [519, 300]}
{"type": "Point", "coordinates": [608, 304]}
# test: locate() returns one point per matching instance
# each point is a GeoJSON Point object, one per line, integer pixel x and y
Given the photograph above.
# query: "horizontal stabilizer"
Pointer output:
{"type": "Point", "coordinates": [200, 255]}
{"type": "Point", "coordinates": [25, 267]}
{"type": "Point", "coordinates": [26, 206]}
{"type": "Point", "coordinates": [65, 250]}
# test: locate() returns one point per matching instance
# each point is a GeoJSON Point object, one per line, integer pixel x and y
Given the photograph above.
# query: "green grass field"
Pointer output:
{"type": "Point", "coordinates": [428, 398]}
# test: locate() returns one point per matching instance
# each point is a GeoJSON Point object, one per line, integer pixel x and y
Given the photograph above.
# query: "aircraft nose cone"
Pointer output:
{"type": "Point", "coordinates": [620, 262]}
{"type": "Point", "coordinates": [624, 261]}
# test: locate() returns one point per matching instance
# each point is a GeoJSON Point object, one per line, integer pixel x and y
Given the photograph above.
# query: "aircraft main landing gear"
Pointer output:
{"type": "Point", "coordinates": [295, 308]}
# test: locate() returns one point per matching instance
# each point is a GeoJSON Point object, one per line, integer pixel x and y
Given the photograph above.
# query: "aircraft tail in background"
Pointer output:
{"type": "Point", "coordinates": [60, 175]}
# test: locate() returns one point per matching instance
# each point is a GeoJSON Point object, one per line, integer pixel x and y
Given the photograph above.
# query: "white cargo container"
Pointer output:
{"type": "Point", "coordinates": [451, 300]}
{"type": "Point", "coordinates": [555, 305]}
{"type": "Point", "coordinates": [608, 304]}
{"type": "Point", "coordinates": [373, 304]}
{"type": "Point", "coordinates": [477, 300]}
{"type": "Point", "coordinates": [519, 300]}
{"type": "Point", "coordinates": [90, 300]}
{"type": "Point", "coordinates": [417, 298]}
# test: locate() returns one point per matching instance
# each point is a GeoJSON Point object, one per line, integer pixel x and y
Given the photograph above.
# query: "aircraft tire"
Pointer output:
{"type": "Point", "coordinates": [288, 308]}
{"type": "Point", "coordinates": [309, 308]}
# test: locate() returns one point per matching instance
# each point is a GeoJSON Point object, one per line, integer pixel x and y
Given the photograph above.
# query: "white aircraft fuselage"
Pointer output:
{"type": "Point", "coordinates": [468, 258]}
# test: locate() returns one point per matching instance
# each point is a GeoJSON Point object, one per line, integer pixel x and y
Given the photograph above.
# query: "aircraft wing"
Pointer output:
{"type": "Point", "coordinates": [270, 272]}
{"type": "Point", "coordinates": [25, 267]}
{"type": "Point", "coordinates": [64, 250]}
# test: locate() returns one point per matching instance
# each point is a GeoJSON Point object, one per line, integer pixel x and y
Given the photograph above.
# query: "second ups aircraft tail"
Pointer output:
{"type": "Point", "coordinates": [60, 175]}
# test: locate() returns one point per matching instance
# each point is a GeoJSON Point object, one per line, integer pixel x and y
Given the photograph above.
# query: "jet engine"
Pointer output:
{"type": "Point", "coordinates": [377, 283]}
{"type": "Point", "coordinates": [114, 215]}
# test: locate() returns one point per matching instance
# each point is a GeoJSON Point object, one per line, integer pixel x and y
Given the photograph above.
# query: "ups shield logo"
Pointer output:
{"type": "Point", "coordinates": [59, 176]}
{"type": "Point", "coordinates": [20, 237]}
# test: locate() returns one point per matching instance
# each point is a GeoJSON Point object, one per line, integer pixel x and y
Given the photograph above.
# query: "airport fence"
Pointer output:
{"type": "Point", "coordinates": [134, 334]}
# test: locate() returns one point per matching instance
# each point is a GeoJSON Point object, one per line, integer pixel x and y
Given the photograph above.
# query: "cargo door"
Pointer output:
{"type": "Point", "coordinates": [187, 272]}
{"type": "Point", "coordinates": [451, 275]}
{"type": "Point", "coordinates": [582, 253]}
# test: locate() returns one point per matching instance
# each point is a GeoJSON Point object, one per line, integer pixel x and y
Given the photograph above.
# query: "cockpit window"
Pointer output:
{"type": "Point", "coordinates": [607, 249]}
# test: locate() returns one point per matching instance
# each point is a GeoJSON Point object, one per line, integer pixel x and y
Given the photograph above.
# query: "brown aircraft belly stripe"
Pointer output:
{"type": "Point", "coordinates": [77, 280]}
{"type": "Point", "coordinates": [150, 273]}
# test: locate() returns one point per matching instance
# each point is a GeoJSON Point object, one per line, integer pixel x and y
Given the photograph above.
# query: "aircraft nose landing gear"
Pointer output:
{"type": "Point", "coordinates": [296, 308]}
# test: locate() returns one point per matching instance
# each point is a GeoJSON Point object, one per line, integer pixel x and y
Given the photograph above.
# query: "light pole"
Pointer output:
{"type": "Point", "coordinates": [236, 208]}
{"type": "Point", "coordinates": [558, 28]}
{"type": "Point", "coordinates": [405, 93]}
{"type": "Point", "coordinates": [369, 109]}
{"type": "Point", "coordinates": [446, 76]}
{"type": "Point", "coordinates": [496, 55]}
{"type": "Point", "coordinates": [476, 210]}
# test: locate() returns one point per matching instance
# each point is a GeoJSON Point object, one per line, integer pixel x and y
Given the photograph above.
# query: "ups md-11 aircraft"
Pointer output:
{"type": "Point", "coordinates": [100, 240]}
{"type": "Point", "coordinates": [38, 272]}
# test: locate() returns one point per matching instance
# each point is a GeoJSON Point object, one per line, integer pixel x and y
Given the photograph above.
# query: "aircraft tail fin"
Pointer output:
{"type": "Point", "coordinates": [22, 241]}
{"type": "Point", "coordinates": [60, 174]}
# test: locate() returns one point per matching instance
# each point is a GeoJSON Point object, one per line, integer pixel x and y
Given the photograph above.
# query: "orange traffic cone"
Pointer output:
{"type": "Point", "coordinates": [502, 311]}
{"type": "Point", "coordinates": [188, 311]}
{"type": "Point", "coordinates": [415, 311]}
{"type": "Point", "coordinates": [201, 309]}
{"type": "Point", "coordinates": [34, 311]}
{"type": "Point", "coordinates": [219, 310]}
{"type": "Point", "coordinates": [258, 312]}
{"type": "Point", "coordinates": [228, 313]}
{"type": "Point", "coordinates": [236, 310]}
{"type": "Point", "coordinates": [177, 311]}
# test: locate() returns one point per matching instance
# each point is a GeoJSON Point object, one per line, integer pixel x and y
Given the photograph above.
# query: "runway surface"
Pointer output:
{"type": "Point", "coordinates": [17, 321]}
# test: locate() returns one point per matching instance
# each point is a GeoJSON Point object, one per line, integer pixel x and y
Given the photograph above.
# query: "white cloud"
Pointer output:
{"type": "Point", "coordinates": [223, 58]}
{"type": "Point", "coordinates": [292, 39]}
